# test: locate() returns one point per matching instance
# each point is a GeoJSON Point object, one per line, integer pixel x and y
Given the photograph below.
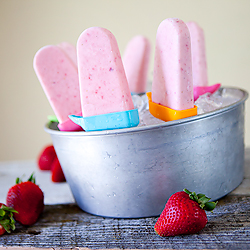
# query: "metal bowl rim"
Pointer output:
{"type": "Point", "coordinates": [150, 127]}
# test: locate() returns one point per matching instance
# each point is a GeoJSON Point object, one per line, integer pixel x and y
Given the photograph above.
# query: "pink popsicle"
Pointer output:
{"type": "Point", "coordinates": [172, 84]}
{"type": "Point", "coordinates": [199, 61]}
{"type": "Point", "coordinates": [103, 84]}
{"type": "Point", "coordinates": [59, 79]}
{"type": "Point", "coordinates": [70, 50]}
{"type": "Point", "coordinates": [136, 61]}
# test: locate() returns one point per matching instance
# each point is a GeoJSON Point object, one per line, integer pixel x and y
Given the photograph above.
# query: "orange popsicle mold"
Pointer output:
{"type": "Point", "coordinates": [167, 114]}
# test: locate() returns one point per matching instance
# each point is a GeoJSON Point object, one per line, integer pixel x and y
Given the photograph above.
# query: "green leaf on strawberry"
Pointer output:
{"type": "Point", "coordinates": [52, 118]}
{"type": "Point", "coordinates": [202, 200]}
{"type": "Point", "coordinates": [6, 218]}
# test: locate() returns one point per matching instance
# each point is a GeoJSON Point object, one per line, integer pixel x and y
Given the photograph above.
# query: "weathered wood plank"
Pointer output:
{"type": "Point", "coordinates": [66, 226]}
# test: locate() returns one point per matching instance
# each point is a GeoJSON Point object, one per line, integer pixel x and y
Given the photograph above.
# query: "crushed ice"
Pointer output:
{"type": "Point", "coordinates": [205, 103]}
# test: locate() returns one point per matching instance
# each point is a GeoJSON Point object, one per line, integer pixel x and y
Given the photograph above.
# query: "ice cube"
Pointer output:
{"type": "Point", "coordinates": [220, 99]}
{"type": "Point", "coordinates": [205, 103]}
{"type": "Point", "coordinates": [140, 102]}
{"type": "Point", "coordinates": [147, 119]}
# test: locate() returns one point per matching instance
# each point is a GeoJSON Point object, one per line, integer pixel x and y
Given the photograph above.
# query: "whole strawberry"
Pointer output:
{"type": "Point", "coordinates": [7, 222]}
{"type": "Point", "coordinates": [46, 158]}
{"type": "Point", "coordinates": [57, 174]}
{"type": "Point", "coordinates": [27, 199]}
{"type": "Point", "coordinates": [184, 213]}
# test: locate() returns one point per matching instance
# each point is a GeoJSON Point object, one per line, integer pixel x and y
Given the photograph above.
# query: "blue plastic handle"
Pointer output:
{"type": "Point", "coordinates": [116, 120]}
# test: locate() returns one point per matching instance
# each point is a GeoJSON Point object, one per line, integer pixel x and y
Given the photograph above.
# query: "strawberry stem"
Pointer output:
{"type": "Point", "coordinates": [52, 118]}
{"type": "Point", "coordinates": [31, 179]}
{"type": "Point", "coordinates": [18, 180]}
{"type": "Point", "coordinates": [202, 200]}
{"type": "Point", "coordinates": [6, 218]}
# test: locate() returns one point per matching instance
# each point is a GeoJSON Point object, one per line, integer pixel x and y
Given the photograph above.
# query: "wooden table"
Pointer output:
{"type": "Point", "coordinates": [64, 226]}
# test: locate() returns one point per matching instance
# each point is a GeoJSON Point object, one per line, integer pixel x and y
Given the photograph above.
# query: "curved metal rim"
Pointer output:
{"type": "Point", "coordinates": [150, 127]}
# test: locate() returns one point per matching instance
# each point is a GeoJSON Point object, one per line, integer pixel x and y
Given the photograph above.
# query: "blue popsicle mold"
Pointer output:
{"type": "Point", "coordinates": [116, 120]}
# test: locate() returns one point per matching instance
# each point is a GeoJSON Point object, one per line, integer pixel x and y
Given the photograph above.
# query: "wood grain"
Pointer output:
{"type": "Point", "coordinates": [67, 227]}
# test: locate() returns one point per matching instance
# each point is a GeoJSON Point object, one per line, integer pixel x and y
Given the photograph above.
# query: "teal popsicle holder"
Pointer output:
{"type": "Point", "coordinates": [116, 120]}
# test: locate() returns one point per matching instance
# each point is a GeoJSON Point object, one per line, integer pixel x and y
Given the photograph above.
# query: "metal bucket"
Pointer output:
{"type": "Point", "coordinates": [131, 173]}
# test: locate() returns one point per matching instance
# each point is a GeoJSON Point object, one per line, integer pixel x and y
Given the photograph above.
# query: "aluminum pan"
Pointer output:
{"type": "Point", "coordinates": [130, 173]}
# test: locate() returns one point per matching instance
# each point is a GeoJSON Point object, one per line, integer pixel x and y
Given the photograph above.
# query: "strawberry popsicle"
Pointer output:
{"type": "Point", "coordinates": [199, 62]}
{"type": "Point", "coordinates": [136, 61]}
{"type": "Point", "coordinates": [69, 50]}
{"type": "Point", "coordinates": [103, 84]}
{"type": "Point", "coordinates": [172, 84]}
{"type": "Point", "coordinates": [59, 79]}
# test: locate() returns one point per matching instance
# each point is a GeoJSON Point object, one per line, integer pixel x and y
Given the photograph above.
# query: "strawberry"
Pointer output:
{"type": "Point", "coordinates": [184, 213]}
{"type": "Point", "coordinates": [26, 198]}
{"type": "Point", "coordinates": [48, 160]}
{"type": "Point", "coordinates": [7, 222]}
{"type": "Point", "coordinates": [46, 157]}
{"type": "Point", "coordinates": [57, 174]}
